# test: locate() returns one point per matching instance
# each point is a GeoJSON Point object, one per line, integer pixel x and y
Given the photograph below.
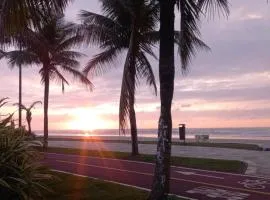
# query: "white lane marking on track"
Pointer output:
{"type": "Point", "coordinates": [176, 167]}
{"type": "Point", "coordinates": [218, 193]}
{"type": "Point", "coordinates": [176, 179]}
{"type": "Point", "coordinates": [196, 174]}
{"type": "Point", "coordinates": [140, 188]}
{"type": "Point", "coordinates": [102, 167]}
{"type": "Point", "coordinates": [258, 184]}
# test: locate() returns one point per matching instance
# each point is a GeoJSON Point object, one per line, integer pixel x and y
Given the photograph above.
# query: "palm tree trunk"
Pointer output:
{"type": "Point", "coordinates": [20, 91]}
{"type": "Point", "coordinates": [160, 186]}
{"type": "Point", "coordinates": [133, 48]}
{"type": "Point", "coordinates": [46, 103]}
{"type": "Point", "coordinates": [129, 79]}
{"type": "Point", "coordinates": [133, 126]}
{"type": "Point", "coordinates": [20, 95]}
{"type": "Point", "coordinates": [29, 127]}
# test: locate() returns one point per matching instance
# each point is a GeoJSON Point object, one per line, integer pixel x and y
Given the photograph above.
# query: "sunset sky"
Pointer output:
{"type": "Point", "coordinates": [227, 87]}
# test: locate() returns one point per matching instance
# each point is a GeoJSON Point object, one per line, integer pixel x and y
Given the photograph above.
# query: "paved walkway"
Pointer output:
{"type": "Point", "coordinates": [258, 161]}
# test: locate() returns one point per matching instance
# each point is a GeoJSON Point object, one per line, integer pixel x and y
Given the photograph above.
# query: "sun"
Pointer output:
{"type": "Point", "coordinates": [85, 120]}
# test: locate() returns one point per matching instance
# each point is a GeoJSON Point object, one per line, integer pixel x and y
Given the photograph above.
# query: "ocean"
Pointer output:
{"type": "Point", "coordinates": [214, 133]}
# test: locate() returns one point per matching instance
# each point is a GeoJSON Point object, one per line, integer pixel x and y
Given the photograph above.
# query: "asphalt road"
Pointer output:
{"type": "Point", "coordinates": [192, 183]}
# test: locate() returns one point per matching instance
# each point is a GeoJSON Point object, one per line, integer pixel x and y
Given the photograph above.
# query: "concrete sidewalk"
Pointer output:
{"type": "Point", "coordinates": [258, 161]}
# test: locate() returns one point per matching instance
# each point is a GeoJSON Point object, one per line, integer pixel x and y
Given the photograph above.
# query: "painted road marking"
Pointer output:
{"type": "Point", "coordinates": [218, 193]}
{"type": "Point", "coordinates": [258, 184]}
{"type": "Point", "coordinates": [146, 163]}
{"type": "Point", "coordinates": [137, 187]}
{"type": "Point", "coordinates": [110, 168]}
{"type": "Point", "coordinates": [176, 179]}
{"type": "Point", "coordinates": [195, 174]}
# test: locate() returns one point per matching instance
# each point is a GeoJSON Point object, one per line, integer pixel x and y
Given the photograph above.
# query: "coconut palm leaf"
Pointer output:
{"type": "Point", "coordinates": [22, 106]}
{"type": "Point", "coordinates": [34, 103]}
{"type": "Point", "coordinates": [104, 34]}
{"type": "Point", "coordinates": [127, 92]}
{"type": "Point", "coordinates": [117, 10]}
{"type": "Point", "coordinates": [190, 18]}
{"type": "Point", "coordinates": [18, 57]}
{"type": "Point", "coordinates": [78, 75]}
{"type": "Point", "coordinates": [145, 71]}
{"type": "Point", "coordinates": [3, 101]}
{"type": "Point", "coordinates": [189, 12]}
{"type": "Point", "coordinates": [69, 43]}
{"type": "Point", "coordinates": [93, 18]}
{"type": "Point", "coordinates": [99, 63]}
{"type": "Point", "coordinates": [6, 121]}
{"type": "Point", "coordinates": [30, 107]}
{"type": "Point", "coordinates": [15, 15]}
{"type": "Point", "coordinates": [212, 7]}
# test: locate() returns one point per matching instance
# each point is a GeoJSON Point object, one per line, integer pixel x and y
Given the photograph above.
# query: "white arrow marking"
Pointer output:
{"type": "Point", "coordinates": [195, 174]}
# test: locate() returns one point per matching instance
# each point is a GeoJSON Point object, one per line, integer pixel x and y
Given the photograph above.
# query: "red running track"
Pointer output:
{"type": "Point", "coordinates": [192, 183]}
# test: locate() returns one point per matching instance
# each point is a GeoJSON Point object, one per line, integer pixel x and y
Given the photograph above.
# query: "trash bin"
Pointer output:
{"type": "Point", "coordinates": [182, 132]}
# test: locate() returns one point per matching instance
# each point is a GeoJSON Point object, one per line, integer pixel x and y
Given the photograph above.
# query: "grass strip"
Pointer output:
{"type": "Point", "coordinates": [70, 187]}
{"type": "Point", "coordinates": [253, 147]}
{"type": "Point", "coordinates": [232, 166]}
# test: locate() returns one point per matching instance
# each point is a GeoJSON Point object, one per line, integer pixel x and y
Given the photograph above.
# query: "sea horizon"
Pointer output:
{"type": "Point", "coordinates": [254, 133]}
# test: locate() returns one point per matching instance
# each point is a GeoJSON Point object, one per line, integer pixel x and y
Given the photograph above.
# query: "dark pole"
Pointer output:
{"type": "Point", "coordinates": [20, 94]}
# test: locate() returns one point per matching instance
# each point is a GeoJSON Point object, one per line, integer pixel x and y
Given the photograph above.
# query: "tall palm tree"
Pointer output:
{"type": "Point", "coordinates": [19, 65]}
{"type": "Point", "coordinates": [28, 111]}
{"type": "Point", "coordinates": [127, 25]}
{"type": "Point", "coordinates": [16, 15]}
{"type": "Point", "coordinates": [50, 47]}
{"type": "Point", "coordinates": [190, 13]}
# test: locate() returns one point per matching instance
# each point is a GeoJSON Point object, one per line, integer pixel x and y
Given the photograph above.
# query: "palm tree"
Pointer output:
{"type": "Point", "coordinates": [50, 47]}
{"type": "Point", "coordinates": [190, 12]}
{"type": "Point", "coordinates": [127, 25]}
{"type": "Point", "coordinates": [16, 15]}
{"type": "Point", "coordinates": [19, 64]}
{"type": "Point", "coordinates": [29, 113]}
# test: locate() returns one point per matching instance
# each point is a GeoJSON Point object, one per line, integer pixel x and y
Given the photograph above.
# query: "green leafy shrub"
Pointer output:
{"type": "Point", "coordinates": [22, 176]}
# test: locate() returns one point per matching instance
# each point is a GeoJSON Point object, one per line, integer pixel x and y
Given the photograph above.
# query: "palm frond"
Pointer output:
{"type": "Point", "coordinates": [6, 121]}
{"type": "Point", "coordinates": [15, 15]}
{"type": "Point", "coordinates": [61, 78]}
{"type": "Point", "coordinates": [144, 70]}
{"type": "Point", "coordinates": [96, 19]}
{"type": "Point", "coordinates": [2, 54]}
{"type": "Point", "coordinates": [67, 54]}
{"type": "Point", "coordinates": [148, 48]}
{"type": "Point", "coordinates": [100, 35]}
{"type": "Point", "coordinates": [127, 92]}
{"type": "Point", "coordinates": [17, 57]}
{"type": "Point", "coordinates": [212, 7]}
{"type": "Point", "coordinates": [69, 43]}
{"type": "Point", "coordinates": [153, 36]}
{"type": "Point", "coordinates": [101, 62]}
{"type": "Point", "coordinates": [117, 10]}
{"type": "Point", "coordinates": [34, 103]}
{"type": "Point", "coordinates": [62, 58]}
{"type": "Point", "coordinates": [21, 106]}
{"type": "Point", "coordinates": [189, 11]}
{"type": "Point", "coordinates": [3, 101]}
{"type": "Point", "coordinates": [78, 75]}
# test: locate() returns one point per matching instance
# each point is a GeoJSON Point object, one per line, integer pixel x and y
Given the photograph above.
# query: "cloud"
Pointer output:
{"type": "Point", "coordinates": [225, 87]}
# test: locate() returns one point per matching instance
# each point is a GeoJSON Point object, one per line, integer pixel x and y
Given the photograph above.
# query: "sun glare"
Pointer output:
{"type": "Point", "coordinates": [87, 121]}
{"type": "Point", "coordinates": [86, 134]}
